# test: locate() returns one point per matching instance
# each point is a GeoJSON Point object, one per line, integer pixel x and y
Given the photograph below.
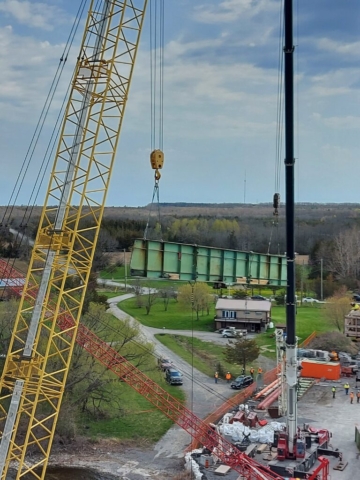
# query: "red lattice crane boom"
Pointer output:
{"type": "Point", "coordinates": [159, 397]}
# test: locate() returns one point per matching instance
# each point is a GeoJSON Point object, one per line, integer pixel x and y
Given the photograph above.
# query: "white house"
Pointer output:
{"type": "Point", "coordinates": [252, 315]}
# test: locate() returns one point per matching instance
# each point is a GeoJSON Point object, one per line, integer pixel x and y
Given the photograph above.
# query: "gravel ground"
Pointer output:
{"type": "Point", "coordinates": [110, 460]}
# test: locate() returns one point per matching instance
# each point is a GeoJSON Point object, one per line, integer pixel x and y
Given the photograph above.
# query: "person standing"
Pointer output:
{"type": "Point", "coordinates": [333, 391]}
{"type": "Point", "coordinates": [228, 377]}
{"type": "Point", "coordinates": [346, 387]}
{"type": "Point", "coordinates": [252, 372]}
{"type": "Point", "coordinates": [351, 397]}
{"type": "Point", "coordinates": [358, 396]}
{"type": "Point", "coordinates": [216, 376]}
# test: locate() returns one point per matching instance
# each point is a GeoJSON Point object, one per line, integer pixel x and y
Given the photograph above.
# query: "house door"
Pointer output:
{"type": "Point", "coordinates": [252, 327]}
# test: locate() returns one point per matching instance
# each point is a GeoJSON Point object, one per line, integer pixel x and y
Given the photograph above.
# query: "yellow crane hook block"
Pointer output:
{"type": "Point", "coordinates": [157, 159]}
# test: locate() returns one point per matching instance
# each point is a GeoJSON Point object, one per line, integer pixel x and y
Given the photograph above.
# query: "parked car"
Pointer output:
{"type": "Point", "coordinates": [231, 333]}
{"type": "Point", "coordinates": [242, 381]}
{"type": "Point", "coordinates": [310, 300]}
{"type": "Point", "coordinates": [173, 377]}
{"type": "Point", "coordinates": [164, 364]}
{"type": "Point", "coordinates": [258, 297]}
{"type": "Point", "coordinates": [220, 330]}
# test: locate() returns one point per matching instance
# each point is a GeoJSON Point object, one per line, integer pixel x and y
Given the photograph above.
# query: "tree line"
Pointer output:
{"type": "Point", "coordinates": [89, 391]}
{"type": "Point", "coordinates": [328, 233]}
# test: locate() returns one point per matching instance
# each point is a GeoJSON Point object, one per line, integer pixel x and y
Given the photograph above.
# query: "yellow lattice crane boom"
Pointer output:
{"type": "Point", "coordinates": [36, 367]}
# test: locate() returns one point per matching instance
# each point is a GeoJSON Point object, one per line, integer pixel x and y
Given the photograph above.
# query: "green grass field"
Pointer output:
{"type": "Point", "coordinates": [174, 318]}
{"type": "Point", "coordinates": [113, 273]}
{"type": "Point", "coordinates": [136, 419]}
{"type": "Point", "coordinates": [308, 318]}
{"type": "Point", "coordinates": [204, 356]}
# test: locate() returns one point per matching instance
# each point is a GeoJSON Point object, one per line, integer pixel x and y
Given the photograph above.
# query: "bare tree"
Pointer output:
{"type": "Point", "coordinates": [151, 298]}
{"type": "Point", "coordinates": [337, 307]}
{"type": "Point", "coordinates": [167, 292]}
{"type": "Point", "coordinates": [138, 291]}
{"type": "Point", "coordinates": [195, 297]}
{"type": "Point", "coordinates": [345, 260]}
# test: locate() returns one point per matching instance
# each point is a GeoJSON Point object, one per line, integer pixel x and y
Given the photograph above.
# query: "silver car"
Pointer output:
{"type": "Point", "coordinates": [231, 333]}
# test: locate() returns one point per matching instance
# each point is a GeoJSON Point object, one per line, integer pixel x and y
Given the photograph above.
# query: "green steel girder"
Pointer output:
{"type": "Point", "coordinates": [156, 259]}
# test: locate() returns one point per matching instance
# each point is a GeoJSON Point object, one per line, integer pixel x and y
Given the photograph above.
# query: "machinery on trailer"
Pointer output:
{"type": "Point", "coordinates": [48, 321]}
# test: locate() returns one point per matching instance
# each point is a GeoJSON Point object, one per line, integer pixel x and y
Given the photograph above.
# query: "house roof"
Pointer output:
{"type": "Point", "coordinates": [237, 304]}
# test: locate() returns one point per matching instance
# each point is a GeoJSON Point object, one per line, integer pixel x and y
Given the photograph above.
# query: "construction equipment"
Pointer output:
{"type": "Point", "coordinates": [47, 324]}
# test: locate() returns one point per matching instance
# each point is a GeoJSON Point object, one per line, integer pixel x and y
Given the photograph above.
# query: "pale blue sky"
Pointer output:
{"type": "Point", "coordinates": [221, 80]}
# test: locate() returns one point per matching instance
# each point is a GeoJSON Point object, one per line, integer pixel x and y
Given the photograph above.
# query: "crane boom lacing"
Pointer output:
{"type": "Point", "coordinates": [39, 354]}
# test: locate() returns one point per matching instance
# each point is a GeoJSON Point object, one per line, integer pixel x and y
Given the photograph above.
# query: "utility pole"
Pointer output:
{"type": "Point", "coordinates": [245, 188]}
{"type": "Point", "coordinates": [302, 282]}
{"type": "Point", "coordinates": [321, 281]}
{"type": "Point", "coordinates": [125, 269]}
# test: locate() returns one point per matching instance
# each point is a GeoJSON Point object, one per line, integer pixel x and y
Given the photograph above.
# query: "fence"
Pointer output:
{"type": "Point", "coordinates": [307, 340]}
{"type": "Point", "coordinates": [244, 395]}
{"type": "Point", "coordinates": [234, 401]}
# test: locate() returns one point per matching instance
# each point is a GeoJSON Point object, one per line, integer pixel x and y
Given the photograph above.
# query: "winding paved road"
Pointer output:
{"type": "Point", "coordinates": [203, 395]}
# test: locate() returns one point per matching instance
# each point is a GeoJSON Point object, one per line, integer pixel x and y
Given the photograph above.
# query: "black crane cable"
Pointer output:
{"type": "Point", "coordinates": [35, 139]}
{"type": "Point", "coordinates": [157, 43]}
{"type": "Point", "coordinates": [43, 115]}
{"type": "Point", "coordinates": [54, 135]}
{"type": "Point", "coordinates": [279, 129]}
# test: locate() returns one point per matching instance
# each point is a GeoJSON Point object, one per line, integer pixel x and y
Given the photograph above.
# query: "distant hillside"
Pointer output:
{"type": "Point", "coordinates": [227, 225]}
{"type": "Point", "coordinates": [342, 212]}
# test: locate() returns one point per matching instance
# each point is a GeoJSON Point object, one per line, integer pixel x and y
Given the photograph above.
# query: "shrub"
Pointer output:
{"type": "Point", "coordinates": [333, 341]}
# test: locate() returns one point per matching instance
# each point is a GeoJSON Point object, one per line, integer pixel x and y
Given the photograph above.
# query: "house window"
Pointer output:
{"type": "Point", "coordinates": [258, 313]}
{"type": "Point", "coordinates": [228, 314]}
{"type": "Point", "coordinates": [247, 313]}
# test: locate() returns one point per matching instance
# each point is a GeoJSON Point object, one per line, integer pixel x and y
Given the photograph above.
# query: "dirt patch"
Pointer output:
{"type": "Point", "coordinates": [131, 460]}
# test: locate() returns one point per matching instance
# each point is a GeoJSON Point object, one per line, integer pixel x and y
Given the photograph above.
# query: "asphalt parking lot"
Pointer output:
{"type": "Point", "coordinates": [319, 409]}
